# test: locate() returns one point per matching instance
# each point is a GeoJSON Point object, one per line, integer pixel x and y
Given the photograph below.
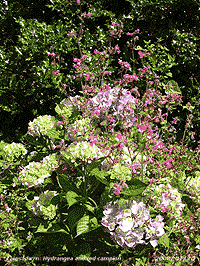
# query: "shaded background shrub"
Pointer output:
{"type": "Point", "coordinates": [29, 29]}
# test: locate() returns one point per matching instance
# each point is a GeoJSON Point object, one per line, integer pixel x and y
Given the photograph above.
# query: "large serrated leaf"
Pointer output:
{"type": "Point", "coordinates": [136, 187]}
{"type": "Point", "coordinates": [90, 208]}
{"type": "Point", "coordinates": [42, 229]}
{"type": "Point", "coordinates": [83, 225]}
{"type": "Point", "coordinates": [86, 225]}
{"type": "Point", "coordinates": [76, 212]}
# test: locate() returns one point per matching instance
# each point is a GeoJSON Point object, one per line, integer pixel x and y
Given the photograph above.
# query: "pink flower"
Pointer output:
{"type": "Point", "coordinates": [187, 125]}
{"type": "Point", "coordinates": [151, 181]}
{"type": "Point", "coordinates": [96, 51]}
{"type": "Point", "coordinates": [127, 64]}
{"type": "Point", "coordinates": [141, 54]}
{"type": "Point", "coordinates": [9, 242]}
{"type": "Point", "coordinates": [142, 128]}
{"type": "Point", "coordinates": [119, 136]}
{"type": "Point", "coordinates": [118, 187]}
{"type": "Point", "coordinates": [117, 190]}
{"type": "Point", "coordinates": [59, 123]}
{"type": "Point", "coordinates": [84, 57]}
{"type": "Point", "coordinates": [163, 102]}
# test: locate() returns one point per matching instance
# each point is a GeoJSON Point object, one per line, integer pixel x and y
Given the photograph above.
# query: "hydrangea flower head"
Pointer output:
{"type": "Point", "coordinates": [109, 101]}
{"type": "Point", "coordinates": [42, 206]}
{"type": "Point", "coordinates": [127, 224]}
{"type": "Point", "coordinates": [166, 198]}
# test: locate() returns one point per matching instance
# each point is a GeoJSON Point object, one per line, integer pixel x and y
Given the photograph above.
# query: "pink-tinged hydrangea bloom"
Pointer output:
{"type": "Point", "coordinates": [126, 224]}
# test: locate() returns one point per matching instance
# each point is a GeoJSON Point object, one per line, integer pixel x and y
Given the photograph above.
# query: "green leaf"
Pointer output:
{"type": "Point", "coordinates": [83, 225]}
{"type": "Point", "coordinates": [94, 164]}
{"type": "Point", "coordinates": [136, 187]}
{"type": "Point", "coordinates": [68, 185]}
{"type": "Point", "coordinates": [169, 74]}
{"type": "Point", "coordinates": [175, 88]}
{"type": "Point", "coordinates": [55, 200]}
{"type": "Point", "coordinates": [86, 225]}
{"type": "Point", "coordinates": [41, 228]}
{"type": "Point", "coordinates": [164, 240]}
{"type": "Point", "coordinates": [56, 231]}
{"type": "Point", "coordinates": [76, 212]}
{"type": "Point", "coordinates": [99, 175]}
{"type": "Point", "coordinates": [71, 198]}
{"type": "Point", "coordinates": [133, 191]}
{"type": "Point", "coordinates": [83, 251]}
{"type": "Point", "coordinates": [90, 208]}
{"type": "Point", "coordinates": [20, 228]}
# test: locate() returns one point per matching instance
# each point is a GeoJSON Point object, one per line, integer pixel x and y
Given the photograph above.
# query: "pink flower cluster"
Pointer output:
{"type": "Point", "coordinates": [118, 187]}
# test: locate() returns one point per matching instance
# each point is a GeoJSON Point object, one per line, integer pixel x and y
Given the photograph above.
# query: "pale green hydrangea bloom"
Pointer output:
{"type": "Point", "coordinates": [122, 172]}
{"type": "Point", "coordinates": [167, 199]}
{"type": "Point", "coordinates": [33, 174]}
{"type": "Point", "coordinates": [42, 207]}
{"type": "Point", "coordinates": [82, 150]}
{"type": "Point", "coordinates": [44, 125]}
{"type": "Point", "coordinates": [11, 150]}
{"type": "Point", "coordinates": [50, 162]}
{"type": "Point", "coordinates": [82, 127]}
